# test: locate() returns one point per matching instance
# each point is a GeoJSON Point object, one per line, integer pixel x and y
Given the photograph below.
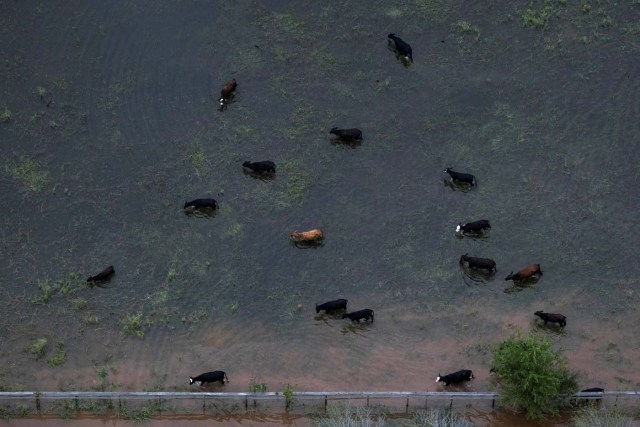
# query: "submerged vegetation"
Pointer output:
{"type": "Point", "coordinates": [608, 416]}
{"type": "Point", "coordinates": [29, 173]}
{"type": "Point", "coordinates": [132, 325]}
{"type": "Point", "coordinates": [38, 348]}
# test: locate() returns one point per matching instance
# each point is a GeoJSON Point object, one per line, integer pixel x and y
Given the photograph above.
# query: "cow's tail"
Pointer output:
{"type": "Point", "coordinates": [372, 315]}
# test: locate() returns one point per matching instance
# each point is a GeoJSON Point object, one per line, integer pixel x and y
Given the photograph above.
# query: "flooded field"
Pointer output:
{"type": "Point", "coordinates": [110, 121]}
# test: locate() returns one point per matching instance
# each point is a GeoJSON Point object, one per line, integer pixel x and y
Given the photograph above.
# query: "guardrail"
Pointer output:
{"type": "Point", "coordinates": [288, 398]}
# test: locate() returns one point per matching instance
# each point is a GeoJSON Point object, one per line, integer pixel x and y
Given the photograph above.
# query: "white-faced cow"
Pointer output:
{"type": "Point", "coordinates": [357, 316]}
{"type": "Point", "coordinates": [456, 377]}
{"type": "Point", "coordinates": [401, 47]}
{"type": "Point", "coordinates": [475, 227]}
{"type": "Point", "coordinates": [227, 91]}
{"type": "Point", "coordinates": [201, 204]}
{"type": "Point", "coordinates": [209, 377]}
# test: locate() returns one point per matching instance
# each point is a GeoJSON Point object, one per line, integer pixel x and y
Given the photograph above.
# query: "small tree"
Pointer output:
{"type": "Point", "coordinates": [532, 376]}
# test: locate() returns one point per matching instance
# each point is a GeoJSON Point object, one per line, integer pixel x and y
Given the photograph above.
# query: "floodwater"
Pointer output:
{"type": "Point", "coordinates": [109, 122]}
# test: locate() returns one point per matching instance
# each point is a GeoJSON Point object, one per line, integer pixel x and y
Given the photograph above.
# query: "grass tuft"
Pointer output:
{"type": "Point", "coordinates": [38, 348]}
{"type": "Point", "coordinates": [5, 115]}
{"type": "Point", "coordinates": [59, 357]}
{"type": "Point", "coordinates": [132, 325]}
{"type": "Point", "coordinates": [29, 173]}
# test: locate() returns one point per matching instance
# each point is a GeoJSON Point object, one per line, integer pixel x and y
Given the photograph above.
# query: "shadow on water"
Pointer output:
{"type": "Point", "coordinates": [208, 213]}
{"type": "Point", "coordinates": [473, 276]}
{"type": "Point", "coordinates": [521, 285]}
{"type": "Point", "coordinates": [458, 186]}
{"type": "Point", "coordinates": [339, 142]}
{"type": "Point", "coordinates": [260, 176]}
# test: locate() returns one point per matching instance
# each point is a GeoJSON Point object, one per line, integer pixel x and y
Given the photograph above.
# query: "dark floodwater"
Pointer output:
{"type": "Point", "coordinates": [110, 121]}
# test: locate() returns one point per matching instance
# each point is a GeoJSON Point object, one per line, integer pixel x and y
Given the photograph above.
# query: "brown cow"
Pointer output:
{"type": "Point", "coordinates": [314, 235]}
{"type": "Point", "coordinates": [227, 90]}
{"type": "Point", "coordinates": [526, 273]}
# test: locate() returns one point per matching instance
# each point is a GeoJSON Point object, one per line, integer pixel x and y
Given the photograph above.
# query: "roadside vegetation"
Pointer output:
{"type": "Point", "coordinates": [532, 376]}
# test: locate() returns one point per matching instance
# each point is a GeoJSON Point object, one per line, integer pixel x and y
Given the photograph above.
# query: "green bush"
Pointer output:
{"type": "Point", "coordinates": [532, 376]}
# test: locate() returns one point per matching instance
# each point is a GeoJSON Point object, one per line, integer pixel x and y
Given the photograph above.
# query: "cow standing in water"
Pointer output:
{"type": "Point", "coordinates": [226, 94]}
{"type": "Point", "coordinates": [526, 273]}
{"type": "Point", "coordinates": [357, 316]}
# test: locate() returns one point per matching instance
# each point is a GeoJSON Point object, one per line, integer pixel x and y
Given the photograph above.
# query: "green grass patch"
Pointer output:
{"type": "Point", "coordinates": [256, 386]}
{"type": "Point", "coordinates": [91, 319]}
{"type": "Point", "coordinates": [132, 325]}
{"type": "Point", "coordinates": [198, 159]}
{"type": "Point", "coordinates": [608, 416]}
{"type": "Point", "coordinates": [355, 416]}
{"type": "Point", "coordinates": [5, 115]}
{"type": "Point", "coordinates": [29, 173]}
{"type": "Point", "coordinates": [466, 28]}
{"type": "Point", "coordinates": [67, 286]}
{"type": "Point", "coordinates": [59, 357]}
{"type": "Point", "coordinates": [38, 348]}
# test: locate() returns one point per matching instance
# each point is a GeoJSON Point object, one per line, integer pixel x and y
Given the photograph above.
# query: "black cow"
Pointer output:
{"type": "Point", "coordinates": [359, 315]}
{"type": "Point", "coordinates": [475, 227]}
{"type": "Point", "coordinates": [456, 377]}
{"type": "Point", "coordinates": [209, 377]}
{"type": "Point", "coordinates": [349, 135]}
{"type": "Point", "coordinates": [478, 263]}
{"type": "Point", "coordinates": [201, 204]}
{"type": "Point", "coordinates": [103, 275]}
{"type": "Point", "coordinates": [266, 166]}
{"type": "Point", "coordinates": [552, 317]}
{"type": "Point", "coordinates": [461, 177]}
{"type": "Point", "coordinates": [401, 46]}
{"type": "Point", "coordinates": [339, 304]}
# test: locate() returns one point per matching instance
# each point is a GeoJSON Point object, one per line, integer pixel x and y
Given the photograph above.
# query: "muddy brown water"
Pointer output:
{"type": "Point", "coordinates": [110, 122]}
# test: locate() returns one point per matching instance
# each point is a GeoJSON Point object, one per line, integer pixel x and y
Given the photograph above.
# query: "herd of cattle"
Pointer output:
{"type": "Point", "coordinates": [315, 236]}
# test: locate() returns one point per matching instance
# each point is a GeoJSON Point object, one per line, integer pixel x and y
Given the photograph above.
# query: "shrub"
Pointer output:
{"type": "Point", "coordinates": [532, 376]}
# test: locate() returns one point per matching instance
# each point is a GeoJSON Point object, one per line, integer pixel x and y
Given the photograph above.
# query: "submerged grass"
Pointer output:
{"type": "Point", "coordinates": [29, 173]}
{"type": "Point", "coordinates": [59, 357]}
{"type": "Point", "coordinates": [38, 348]}
{"type": "Point", "coordinates": [132, 325]}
